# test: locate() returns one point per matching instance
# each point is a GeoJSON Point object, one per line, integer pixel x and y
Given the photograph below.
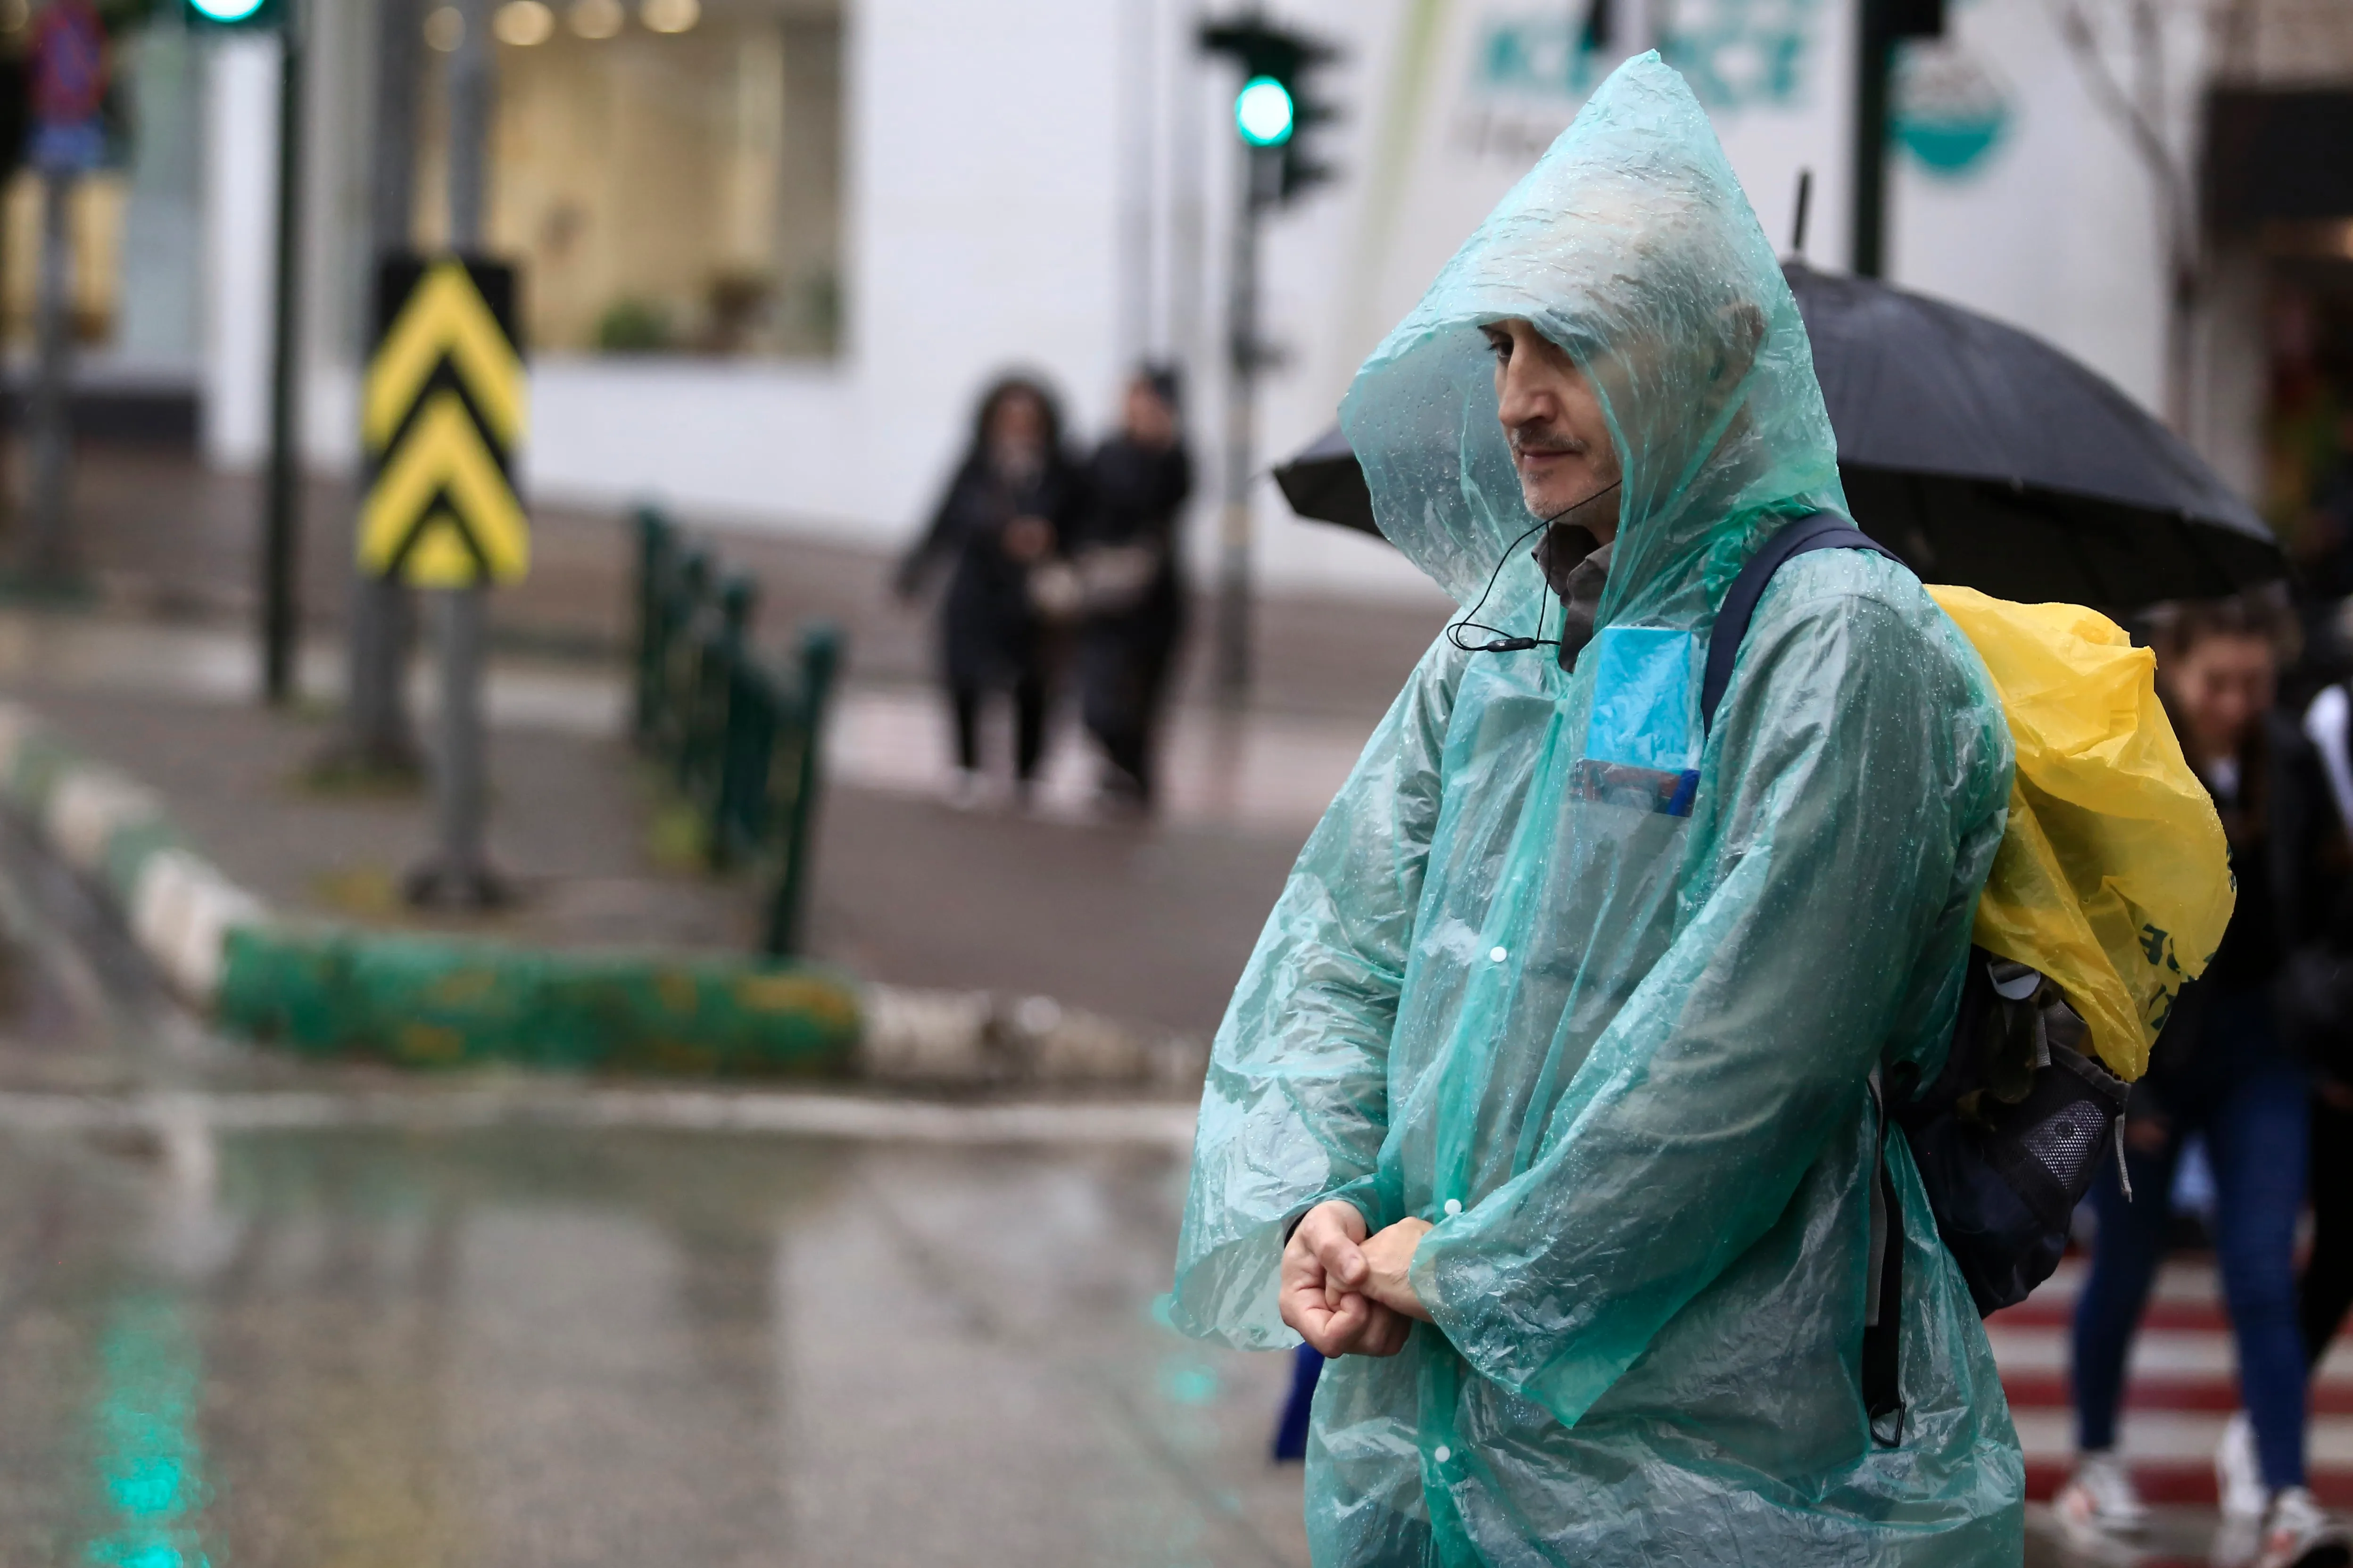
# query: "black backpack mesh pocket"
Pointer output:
{"type": "Point", "coordinates": [2050, 1148]}
{"type": "Point", "coordinates": [2003, 1174]}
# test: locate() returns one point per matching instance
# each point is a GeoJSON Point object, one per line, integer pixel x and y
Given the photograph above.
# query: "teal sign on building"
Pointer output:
{"type": "Point", "coordinates": [1737, 54]}
{"type": "Point", "coordinates": [1951, 112]}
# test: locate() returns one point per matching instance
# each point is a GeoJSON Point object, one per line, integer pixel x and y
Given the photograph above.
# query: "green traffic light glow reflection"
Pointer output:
{"type": "Point", "coordinates": [152, 1464]}
{"type": "Point", "coordinates": [1262, 112]}
{"type": "Point", "coordinates": [226, 10]}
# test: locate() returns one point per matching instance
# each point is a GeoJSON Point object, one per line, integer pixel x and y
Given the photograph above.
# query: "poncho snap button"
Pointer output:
{"type": "Point", "coordinates": [1454, 1206]}
{"type": "Point", "coordinates": [1497, 955]}
{"type": "Point", "coordinates": [1442, 1453]}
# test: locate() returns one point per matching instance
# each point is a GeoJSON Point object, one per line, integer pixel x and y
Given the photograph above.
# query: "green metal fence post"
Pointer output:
{"type": "Point", "coordinates": [789, 910]}
{"type": "Point", "coordinates": [755, 717]}
{"type": "Point", "coordinates": [745, 744]}
{"type": "Point", "coordinates": [656, 548]}
{"type": "Point", "coordinates": [724, 712]}
{"type": "Point", "coordinates": [682, 670]}
{"type": "Point", "coordinates": [721, 634]}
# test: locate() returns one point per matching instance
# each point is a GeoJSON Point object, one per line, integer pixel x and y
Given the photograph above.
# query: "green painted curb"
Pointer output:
{"type": "Point", "coordinates": [430, 1002]}
{"type": "Point", "coordinates": [393, 996]}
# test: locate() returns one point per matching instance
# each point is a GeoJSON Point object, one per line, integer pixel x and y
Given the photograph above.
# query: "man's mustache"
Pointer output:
{"type": "Point", "coordinates": [1546, 445]}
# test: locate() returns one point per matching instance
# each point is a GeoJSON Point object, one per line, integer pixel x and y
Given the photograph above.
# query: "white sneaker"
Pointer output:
{"type": "Point", "coordinates": [966, 790]}
{"type": "Point", "coordinates": [2238, 1478]}
{"type": "Point", "coordinates": [2100, 1497]}
{"type": "Point", "coordinates": [2298, 1535]}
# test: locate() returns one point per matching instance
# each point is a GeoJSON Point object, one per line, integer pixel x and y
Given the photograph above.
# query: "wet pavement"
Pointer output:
{"type": "Point", "coordinates": [536, 1346]}
{"type": "Point", "coordinates": [252, 1314]}
{"type": "Point", "coordinates": [256, 1312]}
{"type": "Point", "coordinates": [2175, 1537]}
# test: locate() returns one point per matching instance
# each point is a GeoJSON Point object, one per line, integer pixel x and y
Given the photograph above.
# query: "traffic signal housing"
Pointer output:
{"type": "Point", "coordinates": [1277, 107]}
{"type": "Point", "coordinates": [233, 15]}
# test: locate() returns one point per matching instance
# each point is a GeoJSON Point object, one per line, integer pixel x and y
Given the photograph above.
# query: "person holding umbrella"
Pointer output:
{"type": "Point", "coordinates": [1010, 507]}
{"type": "Point", "coordinates": [1545, 1105]}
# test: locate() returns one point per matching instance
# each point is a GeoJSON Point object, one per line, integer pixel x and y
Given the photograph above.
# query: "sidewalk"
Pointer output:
{"type": "Point", "coordinates": [1147, 923]}
{"type": "Point", "coordinates": [1144, 923]}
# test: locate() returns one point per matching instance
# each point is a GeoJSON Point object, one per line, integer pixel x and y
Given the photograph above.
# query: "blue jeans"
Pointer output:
{"type": "Point", "coordinates": [2255, 1128]}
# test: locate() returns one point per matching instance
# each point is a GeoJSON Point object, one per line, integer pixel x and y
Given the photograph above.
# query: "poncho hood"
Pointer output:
{"type": "Point", "coordinates": [1631, 246]}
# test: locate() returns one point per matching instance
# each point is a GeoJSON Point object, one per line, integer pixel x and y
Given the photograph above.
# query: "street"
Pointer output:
{"type": "Point", "coordinates": [439, 1324]}
{"type": "Point", "coordinates": [265, 1313]}
{"type": "Point", "coordinates": [2183, 1386]}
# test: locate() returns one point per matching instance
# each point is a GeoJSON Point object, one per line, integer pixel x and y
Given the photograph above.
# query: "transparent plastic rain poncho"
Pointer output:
{"type": "Point", "coordinates": [1609, 1032]}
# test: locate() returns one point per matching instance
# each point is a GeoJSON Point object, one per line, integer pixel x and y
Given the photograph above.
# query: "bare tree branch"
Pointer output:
{"type": "Point", "coordinates": [2139, 118]}
{"type": "Point", "coordinates": [2141, 109]}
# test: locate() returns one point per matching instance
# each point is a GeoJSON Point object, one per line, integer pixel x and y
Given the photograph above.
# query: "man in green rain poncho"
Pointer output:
{"type": "Point", "coordinates": [1569, 1012]}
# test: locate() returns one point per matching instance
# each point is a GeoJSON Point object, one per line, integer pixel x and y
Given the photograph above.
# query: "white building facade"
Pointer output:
{"type": "Point", "coordinates": [771, 256]}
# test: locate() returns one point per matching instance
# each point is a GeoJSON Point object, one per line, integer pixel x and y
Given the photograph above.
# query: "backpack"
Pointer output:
{"type": "Point", "coordinates": [2009, 1135]}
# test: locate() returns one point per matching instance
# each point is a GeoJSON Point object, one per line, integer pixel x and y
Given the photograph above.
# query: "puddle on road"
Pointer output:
{"type": "Point", "coordinates": [150, 1464]}
{"type": "Point", "coordinates": [527, 1346]}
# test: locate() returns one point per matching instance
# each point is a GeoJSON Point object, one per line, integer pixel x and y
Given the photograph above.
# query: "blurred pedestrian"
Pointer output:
{"type": "Point", "coordinates": [2221, 1070]}
{"type": "Point", "coordinates": [2316, 993]}
{"type": "Point", "coordinates": [2321, 546]}
{"type": "Point", "coordinates": [1014, 500]}
{"type": "Point", "coordinates": [1126, 556]}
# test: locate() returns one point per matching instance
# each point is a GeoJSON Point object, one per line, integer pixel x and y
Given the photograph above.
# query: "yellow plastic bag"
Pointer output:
{"type": "Point", "coordinates": [2113, 878]}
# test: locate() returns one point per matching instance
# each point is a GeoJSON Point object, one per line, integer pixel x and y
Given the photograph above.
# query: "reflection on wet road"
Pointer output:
{"type": "Point", "coordinates": [523, 1343]}
{"type": "Point", "coordinates": [530, 1346]}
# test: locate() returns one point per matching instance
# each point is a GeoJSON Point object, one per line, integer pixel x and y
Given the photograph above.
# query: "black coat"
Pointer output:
{"type": "Point", "coordinates": [1137, 495]}
{"type": "Point", "coordinates": [2288, 857]}
{"type": "Point", "coordinates": [990, 635]}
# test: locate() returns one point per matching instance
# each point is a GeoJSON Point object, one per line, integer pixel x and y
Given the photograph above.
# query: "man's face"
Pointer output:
{"type": "Point", "coordinates": [1561, 440]}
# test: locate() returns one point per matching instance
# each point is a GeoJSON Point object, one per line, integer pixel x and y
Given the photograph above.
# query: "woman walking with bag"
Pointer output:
{"type": "Point", "coordinates": [1010, 510]}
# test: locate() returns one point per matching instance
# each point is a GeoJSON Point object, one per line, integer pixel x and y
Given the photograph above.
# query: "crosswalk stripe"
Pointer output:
{"type": "Point", "coordinates": [2039, 1389]}
{"type": "Point", "coordinates": [2181, 1389]}
{"type": "Point", "coordinates": [2041, 1312]}
{"type": "Point", "coordinates": [2175, 1481]}
{"type": "Point", "coordinates": [2178, 1435]}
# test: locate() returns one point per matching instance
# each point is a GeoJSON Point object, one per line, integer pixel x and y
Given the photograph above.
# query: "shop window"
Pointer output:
{"type": "Point", "coordinates": [668, 172]}
{"type": "Point", "coordinates": [94, 214]}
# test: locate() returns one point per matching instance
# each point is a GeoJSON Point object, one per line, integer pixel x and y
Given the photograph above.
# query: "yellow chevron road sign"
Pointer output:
{"type": "Point", "coordinates": [441, 412]}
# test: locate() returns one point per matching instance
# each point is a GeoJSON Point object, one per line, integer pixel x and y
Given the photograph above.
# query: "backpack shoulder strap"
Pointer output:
{"type": "Point", "coordinates": [1882, 1359]}
{"type": "Point", "coordinates": [1815, 530]}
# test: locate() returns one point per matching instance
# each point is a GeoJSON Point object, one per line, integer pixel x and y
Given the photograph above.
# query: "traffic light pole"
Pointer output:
{"type": "Point", "coordinates": [1262, 168]}
{"type": "Point", "coordinates": [1874, 57]}
{"type": "Point", "coordinates": [459, 874]}
{"type": "Point", "coordinates": [377, 741]}
{"type": "Point", "coordinates": [1882, 25]}
{"type": "Point", "coordinates": [1274, 108]}
{"type": "Point", "coordinates": [52, 432]}
{"type": "Point", "coordinates": [282, 523]}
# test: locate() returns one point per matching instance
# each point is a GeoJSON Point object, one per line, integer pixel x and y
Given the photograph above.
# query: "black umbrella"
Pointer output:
{"type": "Point", "coordinates": [1980, 453]}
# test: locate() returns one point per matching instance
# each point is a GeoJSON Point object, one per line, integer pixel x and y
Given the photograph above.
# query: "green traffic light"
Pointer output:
{"type": "Point", "coordinates": [1262, 111]}
{"type": "Point", "coordinates": [225, 10]}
